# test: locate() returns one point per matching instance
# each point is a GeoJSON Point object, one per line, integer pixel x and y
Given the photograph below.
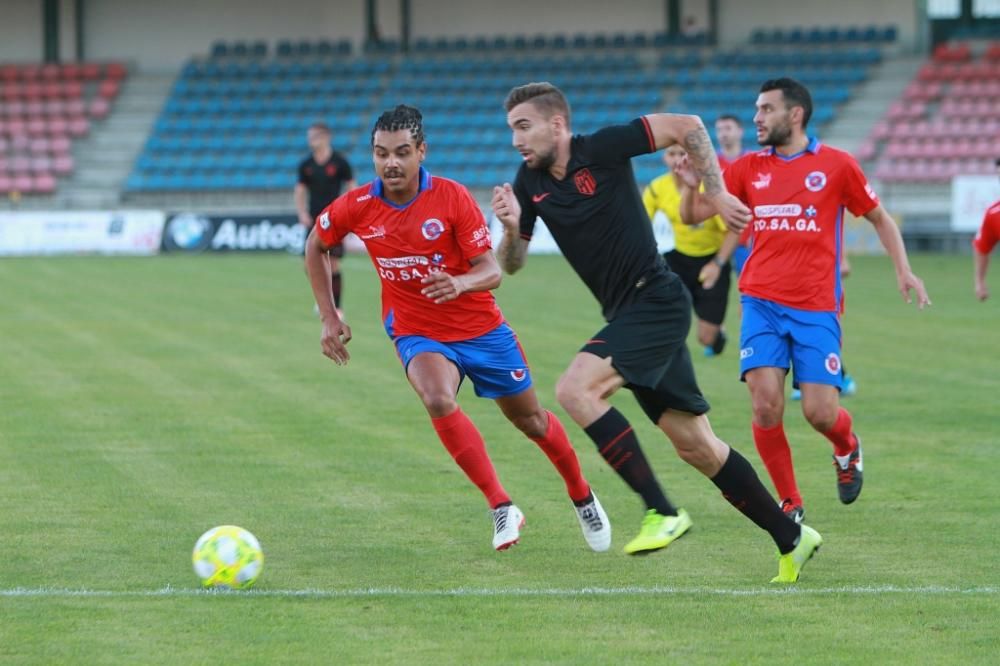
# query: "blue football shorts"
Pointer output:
{"type": "Point", "coordinates": [494, 361]}
{"type": "Point", "coordinates": [777, 336]}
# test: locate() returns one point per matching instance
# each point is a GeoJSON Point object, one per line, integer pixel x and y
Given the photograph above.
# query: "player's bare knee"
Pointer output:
{"type": "Point", "coordinates": [570, 394]}
{"type": "Point", "coordinates": [438, 404]}
{"type": "Point", "coordinates": [533, 425]}
{"type": "Point", "coordinates": [768, 411]}
{"type": "Point", "coordinates": [821, 416]}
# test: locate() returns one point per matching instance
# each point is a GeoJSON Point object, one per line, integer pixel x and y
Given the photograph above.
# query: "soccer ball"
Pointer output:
{"type": "Point", "coordinates": [228, 557]}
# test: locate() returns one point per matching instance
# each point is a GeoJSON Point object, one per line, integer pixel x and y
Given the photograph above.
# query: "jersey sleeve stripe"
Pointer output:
{"type": "Point", "coordinates": [649, 134]}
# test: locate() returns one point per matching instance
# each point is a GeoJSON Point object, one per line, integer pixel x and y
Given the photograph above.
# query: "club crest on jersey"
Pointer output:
{"type": "Point", "coordinates": [324, 221]}
{"type": "Point", "coordinates": [833, 364]}
{"type": "Point", "coordinates": [763, 181]}
{"type": "Point", "coordinates": [815, 181]}
{"type": "Point", "coordinates": [519, 375]}
{"type": "Point", "coordinates": [432, 229]}
{"type": "Point", "coordinates": [585, 183]}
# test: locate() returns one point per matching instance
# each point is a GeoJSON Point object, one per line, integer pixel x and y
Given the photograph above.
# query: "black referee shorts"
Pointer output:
{"type": "Point", "coordinates": [647, 344]}
{"type": "Point", "coordinates": [709, 304]}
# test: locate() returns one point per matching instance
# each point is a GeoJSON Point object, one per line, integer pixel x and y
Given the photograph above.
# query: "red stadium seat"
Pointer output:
{"type": "Point", "coordinates": [39, 146]}
{"type": "Point", "coordinates": [18, 142]}
{"type": "Point", "coordinates": [23, 183]}
{"type": "Point", "coordinates": [36, 126]}
{"type": "Point", "coordinates": [51, 72]}
{"type": "Point", "coordinates": [19, 164]}
{"type": "Point", "coordinates": [45, 183]}
{"type": "Point", "coordinates": [115, 71]}
{"type": "Point", "coordinates": [108, 89]}
{"type": "Point", "coordinates": [31, 72]}
{"type": "Point", "coordinates": [10, 73]}
{"type": "Point", "coordinates": [90, 71]}
{"type": "Point", "coordinates": [58, 127]}
{"type": "Point", "coordinates": [60, 145]}
{"type": "Point", "coordinates": [79, 127]}
{"type": "Point", "coordinates": [98, 108]}
{"type": "Point", "coordinates": [72, 90]}
{"type": "Point", "coordinates": [13, 109]}
{"type": "Point", "coordinates": [41, 165]}
{"type": "Point", "coordinates": [75, 107]}
{"type": "Point", "coordinates": [71, 71]}
{"type": "Point", "coordinates": [62, 165]}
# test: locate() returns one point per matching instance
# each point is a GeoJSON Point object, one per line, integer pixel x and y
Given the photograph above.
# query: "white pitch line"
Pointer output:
{"type": "Point", "coordinates": [506, 592]}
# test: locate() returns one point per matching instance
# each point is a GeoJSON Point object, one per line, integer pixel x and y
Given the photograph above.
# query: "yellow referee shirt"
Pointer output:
{"type": "Point", "coordinates": [700, 240]}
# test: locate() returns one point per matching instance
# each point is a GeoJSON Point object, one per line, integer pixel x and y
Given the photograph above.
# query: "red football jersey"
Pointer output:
{"type": "Point", "coordinates": [441, 229]}
{"type": "Point", "coordinates": [797, 228]}
{"type": "Point", "coordinates": [989, 233]}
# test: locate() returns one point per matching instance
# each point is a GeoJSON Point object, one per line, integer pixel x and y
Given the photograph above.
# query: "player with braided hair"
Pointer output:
{"type": "Point", "coordinates": [430, 245]}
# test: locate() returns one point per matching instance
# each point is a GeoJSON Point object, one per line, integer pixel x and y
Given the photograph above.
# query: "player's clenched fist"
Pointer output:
{"type": "Point", "coordinates": [442, 287]}
{"type": "Point", "coordinates": [506, 207]}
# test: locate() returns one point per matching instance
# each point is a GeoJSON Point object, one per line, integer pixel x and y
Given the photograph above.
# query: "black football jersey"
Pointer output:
{"type": "Point", "coordinates": [596, 214]}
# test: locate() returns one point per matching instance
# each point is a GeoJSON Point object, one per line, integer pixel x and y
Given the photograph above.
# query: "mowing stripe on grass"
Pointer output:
{"type": "Point", "coordinates": [506, 592]}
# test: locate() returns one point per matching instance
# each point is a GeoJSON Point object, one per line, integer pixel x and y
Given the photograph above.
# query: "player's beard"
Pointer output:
{"type": "Point", "coordinates": [778, 135]}
{"type": "Point", "coordinates": [543, 160]}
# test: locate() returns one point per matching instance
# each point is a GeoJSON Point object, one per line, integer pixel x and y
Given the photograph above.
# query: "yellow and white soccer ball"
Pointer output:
{"type": "Point", "coordinates": [228, 557]}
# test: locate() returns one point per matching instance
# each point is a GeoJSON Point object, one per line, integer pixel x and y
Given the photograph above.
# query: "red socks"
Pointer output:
{"type": "Point", "coordinates": [556, 445]}
{"type": "Point", "coordinates": [459, 435]}
{"type": "Point", "coordinates": [772, 445]}
{"type": "Point", "coordinates": [841, 434]}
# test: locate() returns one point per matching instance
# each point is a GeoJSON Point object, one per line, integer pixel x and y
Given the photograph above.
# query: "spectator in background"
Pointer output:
{"type": "Point", "coordinates": [729, 133]}
{"type": "Point", "coordinates": [984, 242]}
{"type": "Point", "coordinates": [322, 177]}
{"type": "Point", "coordinates": [696, 246]}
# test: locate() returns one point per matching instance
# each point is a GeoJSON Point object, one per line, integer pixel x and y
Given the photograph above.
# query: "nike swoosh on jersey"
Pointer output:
{"type": "Point", "coordinates": [537, 198]}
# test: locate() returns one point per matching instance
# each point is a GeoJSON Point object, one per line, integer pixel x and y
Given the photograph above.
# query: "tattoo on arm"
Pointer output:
{"type": "Point", "coordinates": [699, 149]}
{"type": "Point", "coordinates": [511, 253]}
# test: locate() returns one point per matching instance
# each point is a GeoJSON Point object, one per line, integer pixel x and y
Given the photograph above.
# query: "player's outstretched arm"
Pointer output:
{"type": "Point", "coordinates": [671, 128]}
{"type": "Point", "coordinates": [336, 333]}
{"type": "Point", "coordinates": [513, 250]}
{"type": "Point", "coordinates": [892, 241]}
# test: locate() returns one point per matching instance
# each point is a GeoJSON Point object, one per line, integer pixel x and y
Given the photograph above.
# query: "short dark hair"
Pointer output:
{"type": "Point", "coordinates": [321, 126]}
{"type": "Point", "coordinates": [403, 117]}
{"type": "Point", "coordinates": [729, 116]}
{"type": "Point", "coordinates": [543, 95]}
{"type": "Point", "coordinates": [794, 93]}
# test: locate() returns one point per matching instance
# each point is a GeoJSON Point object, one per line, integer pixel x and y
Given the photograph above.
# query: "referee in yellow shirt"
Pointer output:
{"type": "Point", "coordinates": [694, 252]}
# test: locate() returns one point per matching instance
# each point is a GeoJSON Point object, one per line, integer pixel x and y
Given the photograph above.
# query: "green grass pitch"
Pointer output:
{"type": "Point", "coordinates": [143, 401]}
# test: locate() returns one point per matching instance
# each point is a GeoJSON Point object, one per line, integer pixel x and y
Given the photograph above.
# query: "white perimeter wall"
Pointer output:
{"type": "Point", "coordinates": [20, 30]}
{"type": "Point", "coordinates": [161, 36]}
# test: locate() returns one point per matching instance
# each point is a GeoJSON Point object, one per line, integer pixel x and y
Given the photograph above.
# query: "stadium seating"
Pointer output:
{"type": "Point", "coordinates": [869, 34]}
{"type": "Point", "coordinates": [43, 107]}
{"type": "Point", "coordinates": [946, 123]}
{"type": "Point", "coordinates": [239, 100]}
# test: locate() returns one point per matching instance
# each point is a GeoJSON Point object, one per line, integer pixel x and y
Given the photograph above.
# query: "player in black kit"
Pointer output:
{"type": "Point", "coordinates": [583, 188]}
{"type": "Point", "coordinates": [322, 177]}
